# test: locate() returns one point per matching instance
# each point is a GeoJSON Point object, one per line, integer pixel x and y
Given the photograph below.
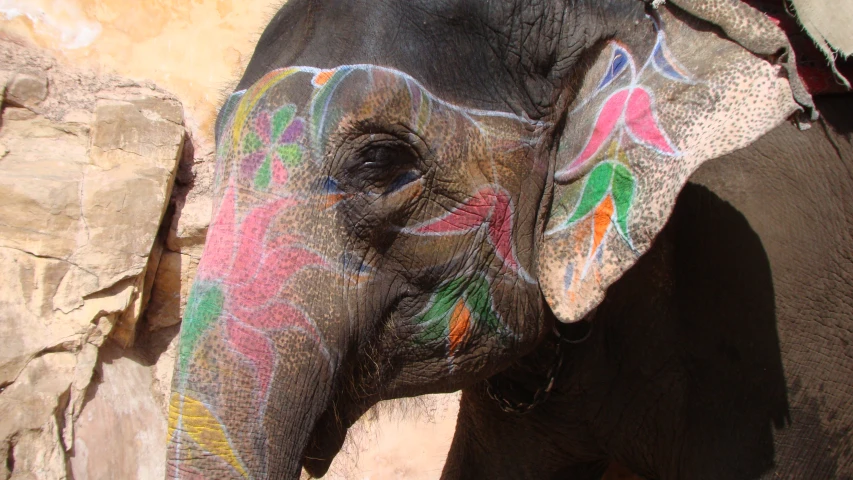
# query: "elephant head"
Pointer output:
{"type": "Point", "coordinates": [375, 240]}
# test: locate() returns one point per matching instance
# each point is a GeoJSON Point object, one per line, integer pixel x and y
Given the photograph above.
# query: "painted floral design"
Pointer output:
{"type": "Point", "coordinates": [490, 207]}
{"type": "Point", "coordinates": [326, 111]}
{"type": "Point", "coordinates": [241, 276]}
{"type": "Point", "coordinates": [607, 195]}
{"type": "Point", "coordinates": [325, 114]}
{"type": "Point", "coordinates": [270, 146]}
{"type": "Point", "coordinates": [457, 309]}
{"type": "Point", "coordinates": [464, 305]}
{"type": "Point", "coordinates": [626, 119]}
{"type": "Point", "coordinates": [629, 111]}
{"type": "Point", "coordinates": [204, 429]}
{"type": "Point", "coordinates": [238, 285]}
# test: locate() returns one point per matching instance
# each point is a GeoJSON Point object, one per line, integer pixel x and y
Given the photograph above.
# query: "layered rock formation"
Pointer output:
{"type": "Point", "coordinates": [86, 175]}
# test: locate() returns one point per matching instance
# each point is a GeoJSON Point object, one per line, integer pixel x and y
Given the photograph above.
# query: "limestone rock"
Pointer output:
{"type": "Point", "coordinates": [122, 408]}
{"type": "Point", "coordinates": [137, 127]}
{"type": "Point", "coordinates": [5, 76]}
{"type": "Point", "coordinates": [26, 90]}
{"type": "Point", "coordinates": [37, 183]}
{"type": "Point", "coordinates": [87, 166]}
{"type": "Point", "coordinates": [189, 225]}
{"type": "Point", "coordinates": [171, 289]}
{"type": "Point", "coordinates": [184, 242]}
{"type": "Point", "coordinates": [29, 411]}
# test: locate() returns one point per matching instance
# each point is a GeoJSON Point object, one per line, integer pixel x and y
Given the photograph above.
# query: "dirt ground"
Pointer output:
{"type": "Point", "coordinates": [403, 439]}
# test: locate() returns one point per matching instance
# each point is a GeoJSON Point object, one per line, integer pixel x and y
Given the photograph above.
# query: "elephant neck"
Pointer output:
{"type": "Point", "coordinates": [528, 382]}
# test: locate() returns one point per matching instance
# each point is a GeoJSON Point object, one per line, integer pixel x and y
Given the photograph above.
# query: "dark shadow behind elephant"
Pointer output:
{"type": "Point", "coordinates": [725, 352]}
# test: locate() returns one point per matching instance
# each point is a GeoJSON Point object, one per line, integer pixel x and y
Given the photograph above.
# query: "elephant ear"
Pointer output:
{"type": "Point", "coordinates": [645, 118]}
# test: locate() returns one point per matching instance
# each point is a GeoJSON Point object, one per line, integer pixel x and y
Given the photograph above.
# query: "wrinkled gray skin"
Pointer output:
{"type": "Point", "coordinates": [725, 352]}
{"type": "Point", "coordinates": [508, 56]}
{"type": "Point", "coordinates": [683, 375]}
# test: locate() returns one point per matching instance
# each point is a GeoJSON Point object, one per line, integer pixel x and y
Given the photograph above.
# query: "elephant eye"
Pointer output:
{"type": "Point", "coordinates": [382, 167]}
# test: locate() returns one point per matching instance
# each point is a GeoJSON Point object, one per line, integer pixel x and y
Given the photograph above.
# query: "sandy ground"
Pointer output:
{"type": "Point", "coordinates": [405, 439]}
{"type": "Point", "coordinates": [196, 49]}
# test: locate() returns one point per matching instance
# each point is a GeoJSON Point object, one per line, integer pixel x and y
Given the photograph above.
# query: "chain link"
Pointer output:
{"type": "Point", "coordinates": [542, 393]}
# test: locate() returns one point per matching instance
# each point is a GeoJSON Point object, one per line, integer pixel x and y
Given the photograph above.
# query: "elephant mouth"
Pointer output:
{"type": "Point", "coordinates": [351, 398]}
{"type": "Point", "coordinates": [328, 437]}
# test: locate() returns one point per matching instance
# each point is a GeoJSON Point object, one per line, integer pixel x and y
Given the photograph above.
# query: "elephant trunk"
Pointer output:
{"type": "Point", "coordinates": [258, 352]}
{"type": "Point", "coordinates": [240, 434]}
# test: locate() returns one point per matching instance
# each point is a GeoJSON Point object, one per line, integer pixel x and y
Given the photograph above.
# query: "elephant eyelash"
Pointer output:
{"type": "Point", "coordinates": [382, 166]}
{"type": "Point", "coordinates": [401, 181]}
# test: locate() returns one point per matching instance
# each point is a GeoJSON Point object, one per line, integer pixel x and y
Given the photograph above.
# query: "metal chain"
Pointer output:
{"type": "Point", "coordinates": [542, 393]}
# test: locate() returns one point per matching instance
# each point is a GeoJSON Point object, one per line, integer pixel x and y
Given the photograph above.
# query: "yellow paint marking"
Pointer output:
{"type": "Point", "coordinates": [251, 99]}
{"type": "Point", "coordinates": [203, 428]}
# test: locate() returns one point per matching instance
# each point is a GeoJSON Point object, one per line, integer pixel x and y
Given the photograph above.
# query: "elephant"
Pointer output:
{"type": "Point", "coordinates": [720, 354]}
{"type": "Point", "coordinates": [423, 196]}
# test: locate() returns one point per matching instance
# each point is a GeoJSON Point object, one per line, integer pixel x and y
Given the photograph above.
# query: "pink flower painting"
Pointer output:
{"type": "Point", "coordinates": [491, 207]}
{"type": "Point", "coordinates": [242, 278]}
{"type": "Point", "coordinates": [629, 110]}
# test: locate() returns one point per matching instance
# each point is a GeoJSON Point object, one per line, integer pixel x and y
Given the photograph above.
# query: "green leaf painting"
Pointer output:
{"type": "Point", "coordinates": [455, 310]}
{"type": "Point", "coordinates": [281, 120]}
{"type": "Point", "coordinates": [595, 188]}
{"type": "Point", "coordinates": [622, 189]}
{"type": "Point", "coordinates": [608, 184]}
{"type": "Point", "coordinates": [204, 307]}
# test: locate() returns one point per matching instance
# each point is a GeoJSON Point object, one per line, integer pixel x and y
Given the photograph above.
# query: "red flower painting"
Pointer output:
{"type": "Point", "coordinates": [490, 207]}
{"type": "Point", "coordinates": [629, 110]}
{"type": "Point", "coordinates": [242, 278]}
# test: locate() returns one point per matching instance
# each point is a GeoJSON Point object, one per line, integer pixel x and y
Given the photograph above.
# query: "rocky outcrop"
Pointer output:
{"type": "Point", "coordinates": [87, 166]}
{"type": "Point", "coordinates": [121, 431]}
{"type": "Point", "coordinates": [184, 239]}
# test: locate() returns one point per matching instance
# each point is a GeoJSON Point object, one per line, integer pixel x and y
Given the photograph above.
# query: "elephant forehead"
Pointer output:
{"type": "Point", "coordinates": [274, 136]}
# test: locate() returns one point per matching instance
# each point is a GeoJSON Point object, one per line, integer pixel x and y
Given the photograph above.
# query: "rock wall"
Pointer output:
{"type": "Point", "coordinates": [87, 165]}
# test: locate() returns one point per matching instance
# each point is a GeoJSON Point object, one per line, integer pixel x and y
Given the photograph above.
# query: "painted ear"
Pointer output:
{"type": "Point", "coordinates": [642, 123]}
